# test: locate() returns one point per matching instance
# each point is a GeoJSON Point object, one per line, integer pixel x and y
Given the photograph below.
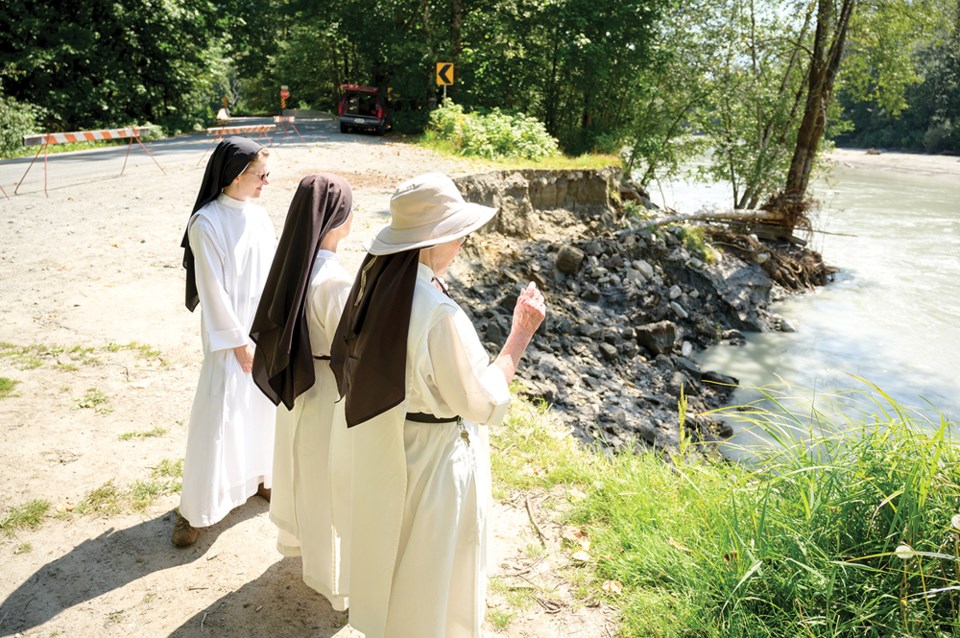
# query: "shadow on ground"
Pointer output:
{"type": "Point", "coordinates": [102, 564]}
{"type": "Point", "coordinates": [276, 605]}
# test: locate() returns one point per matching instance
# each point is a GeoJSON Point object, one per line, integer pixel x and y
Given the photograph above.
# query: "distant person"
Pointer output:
{"type": "Point", "coordinates": [293, 328]}
{"type": "Point", "coordinates": [228, 248]}
{"type": "Point", "coordinates": [422, 392]}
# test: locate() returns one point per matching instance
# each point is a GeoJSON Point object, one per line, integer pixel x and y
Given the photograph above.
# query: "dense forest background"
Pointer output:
{"type": "Point", "coordinates": [753, 82]}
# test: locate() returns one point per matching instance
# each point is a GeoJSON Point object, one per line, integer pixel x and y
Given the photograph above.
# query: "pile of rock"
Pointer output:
{"type": "Point", "coordinates": [628, 309]}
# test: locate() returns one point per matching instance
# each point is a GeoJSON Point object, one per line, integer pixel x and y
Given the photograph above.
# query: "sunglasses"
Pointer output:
{"type": "Point", "coordinates": [261, 176]}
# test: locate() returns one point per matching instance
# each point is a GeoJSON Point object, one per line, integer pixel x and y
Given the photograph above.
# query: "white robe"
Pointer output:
{"type": "Point", "coordinates": [311, 463]}
{"type": "Point", "coordinates": [421, 492]}
{"type": "Point", "coordinates": [230, 437]}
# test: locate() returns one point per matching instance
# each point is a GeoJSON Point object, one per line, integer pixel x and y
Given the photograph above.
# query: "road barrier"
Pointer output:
{"type": "Point", "coordinates": [287, 122]}
{"type": "Point", "coordinates": [47, 139]}
{"type": "Point", "coordinates": [218, 133]}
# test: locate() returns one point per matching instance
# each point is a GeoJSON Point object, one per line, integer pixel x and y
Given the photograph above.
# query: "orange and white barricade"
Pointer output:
{"type": "Point", "coordinates": [219, 132]}
{"type": "Point", "coordinates": [47, 139]}
{"type": "Point", "coordinates": [286, 122]}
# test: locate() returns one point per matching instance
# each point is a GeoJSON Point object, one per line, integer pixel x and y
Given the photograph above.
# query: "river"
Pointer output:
{"type": "Point", "coordinates": [892, 315]}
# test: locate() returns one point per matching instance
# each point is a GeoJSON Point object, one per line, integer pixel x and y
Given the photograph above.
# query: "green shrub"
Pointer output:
{"type": "Point", "coordinates": [6, 387]}
{"type": "Point", "coordinates": [16, 120]}
{"type": "Point", "coordinates": [942, 135]}
{"type": "Point", "coordinates": [694, 240]}
{"type": "Point", "coordinates": [850, 529]}
{"type": "Point", "coordinates": [492, 135]}
{"type": "Point", "coordinates": [156, 132]}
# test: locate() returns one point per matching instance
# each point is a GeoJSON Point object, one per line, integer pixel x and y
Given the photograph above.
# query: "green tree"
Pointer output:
{"type": "Point", "coordinates": [571, 63]}
{"type": "Point", "coordinates": [751, 88]}
{"type": "Point", "coordinates": [884, 30]}
{"type": "Point", "coordinates": [763, 94]}
{"type": "Point", "coordinates": [16, 120]}
{"type": "Point", "coordinates": [926, 117]}
{"type": "Point", "coordinates": [110, 63]}
{"type": "Point", "coordinates": [669, 91]}
{"type": "Point", "coordinates": [830, 35]}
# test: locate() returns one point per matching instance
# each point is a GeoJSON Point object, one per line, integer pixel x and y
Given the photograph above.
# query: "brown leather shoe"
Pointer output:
{"type": "Point", "coordinates": [184, 535]}
{"type": "Point", "coordinates": [264, 492]}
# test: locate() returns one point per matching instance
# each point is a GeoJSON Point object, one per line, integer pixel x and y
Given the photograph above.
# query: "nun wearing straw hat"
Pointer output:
{"type": "Point", "coordinates": [419, 394]}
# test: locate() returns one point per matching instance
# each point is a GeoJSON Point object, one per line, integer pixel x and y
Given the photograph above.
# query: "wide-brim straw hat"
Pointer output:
{"type": "Point", "coordinates": [426, 211]}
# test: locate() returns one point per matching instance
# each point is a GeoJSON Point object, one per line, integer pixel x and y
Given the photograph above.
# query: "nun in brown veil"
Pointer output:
{"type": "Point", "coordinates": [293, 329]}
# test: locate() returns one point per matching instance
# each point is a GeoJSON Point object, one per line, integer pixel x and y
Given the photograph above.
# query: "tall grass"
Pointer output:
{"type": "Point", "coordinates": [852, 529]}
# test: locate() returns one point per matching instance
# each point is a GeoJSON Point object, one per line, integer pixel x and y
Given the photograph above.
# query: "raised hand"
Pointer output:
{"type": "Point", "coordinates": [530, 310]}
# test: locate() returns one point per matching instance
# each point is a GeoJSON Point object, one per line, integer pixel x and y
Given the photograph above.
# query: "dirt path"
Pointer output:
{"type": "Point", "coordinates": [106, 359]}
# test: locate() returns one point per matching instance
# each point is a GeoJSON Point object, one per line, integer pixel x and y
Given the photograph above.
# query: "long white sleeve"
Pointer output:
{"type": "Point", "coordinates": [462, 373]}
{"type": "Point", "coordinates": [224, 328]}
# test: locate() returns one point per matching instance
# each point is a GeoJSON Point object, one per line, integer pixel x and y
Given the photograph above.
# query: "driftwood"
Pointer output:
{"type": "Point", "coordinates": [741, 215]}
{"type": "Point", "coordinates": [762, 223]}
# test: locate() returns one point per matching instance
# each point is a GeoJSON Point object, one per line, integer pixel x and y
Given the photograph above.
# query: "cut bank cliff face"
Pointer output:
{"type": "Point", "coordinates": [627, 306]}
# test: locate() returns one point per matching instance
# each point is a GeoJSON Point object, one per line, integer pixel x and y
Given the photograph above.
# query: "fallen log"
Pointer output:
{"type": "Point", "coordinates": [741, 215]}
{"type": "Point", "coordinates": [769, 225]}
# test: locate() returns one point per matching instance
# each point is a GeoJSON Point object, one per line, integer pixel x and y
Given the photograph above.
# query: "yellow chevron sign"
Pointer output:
{"type": "Point", "coordinates": [444, 73]}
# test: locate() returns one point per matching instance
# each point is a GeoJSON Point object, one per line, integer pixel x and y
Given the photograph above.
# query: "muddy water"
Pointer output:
{"type": "Point", "coordinates": [891, 318]}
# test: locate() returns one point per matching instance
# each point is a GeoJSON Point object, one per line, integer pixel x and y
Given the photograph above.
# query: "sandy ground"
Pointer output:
{"type": "Point", "coordinates": [89, 273]}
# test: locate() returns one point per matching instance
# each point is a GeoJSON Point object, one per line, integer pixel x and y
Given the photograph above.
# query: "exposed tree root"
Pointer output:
{"type": "Point", "coordinates": [793, 267]}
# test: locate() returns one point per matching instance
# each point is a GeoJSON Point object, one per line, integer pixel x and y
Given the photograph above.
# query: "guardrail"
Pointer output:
{"type": "Point", "coordinates": [47, 139]}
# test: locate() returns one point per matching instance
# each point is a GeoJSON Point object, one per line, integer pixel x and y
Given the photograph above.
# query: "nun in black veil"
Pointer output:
{"type": "Point", "coordinates": [228, 247]}
{"type": "Point", "coordinates": [293, 329]}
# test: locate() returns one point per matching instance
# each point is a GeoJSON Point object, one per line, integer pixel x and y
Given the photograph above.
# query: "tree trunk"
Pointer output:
{"type": "Point", "coordinates": [754, 189]}
{"type": "Point", "coordinates": [733, 215]}
{"type": "Point", "coordinates": [824, 64]}
{"type": "Point", "coordinates": [430, 88]}
{"type": "Point", "coordinates": [456, 41]}
{"type": "Point", "coordinates": [550, 120]}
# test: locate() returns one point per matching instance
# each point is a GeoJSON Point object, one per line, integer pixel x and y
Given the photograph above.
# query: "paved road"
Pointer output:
{"type": "Point", "coordinates": [184, 151]}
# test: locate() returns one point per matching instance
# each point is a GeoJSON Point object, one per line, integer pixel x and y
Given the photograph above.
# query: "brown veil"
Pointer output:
{"type": "Point", "coordinates": [283, 361]}
{"type": "Point", "coordinates": [369, 353]}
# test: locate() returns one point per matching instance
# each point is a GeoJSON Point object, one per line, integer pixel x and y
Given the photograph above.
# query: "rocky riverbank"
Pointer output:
{"type": "Point", "coordinates": [630, 304]}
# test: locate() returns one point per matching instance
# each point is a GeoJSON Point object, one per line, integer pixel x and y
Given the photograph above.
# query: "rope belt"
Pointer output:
{"type": "Point", "coordinates": [423, 417]}
{"type": "Point", "coordinates": [321, 357]}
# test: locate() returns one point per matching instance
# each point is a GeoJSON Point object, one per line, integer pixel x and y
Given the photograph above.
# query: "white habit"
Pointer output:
{"type": "Point", "coordinates": [230, 437]}
{"type": "Point", "coordinates": [421, 491]}
{"type": "Point", "coordinates": [311, 462]}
